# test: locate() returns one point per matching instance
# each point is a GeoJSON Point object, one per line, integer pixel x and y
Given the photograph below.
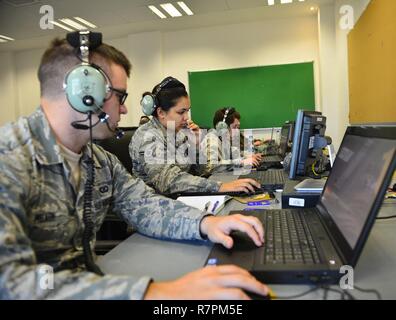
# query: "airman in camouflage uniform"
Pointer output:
{"type": "Point", "coordinates": [149, 149]}
{"type": "Point", "coordinates": [41, 215]}
{"type": "Point", "coordinates": [220, 156]}
{"type": "Point", "coordinates": [222, 146]}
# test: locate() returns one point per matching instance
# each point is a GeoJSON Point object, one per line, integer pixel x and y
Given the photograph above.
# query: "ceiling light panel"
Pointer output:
{"type": "Point", "coordinates": [157, 12]}
{"type": "Point", "coordinates": [86, 22]}
{"type": "Point", "coordinates": [73, 24]}
{"type": "Point", "coordinates": [185, 8]}
{"type": "Point", "coordinates": [61, 26]}
{"type": "Point", "coordinates": [171, 10]}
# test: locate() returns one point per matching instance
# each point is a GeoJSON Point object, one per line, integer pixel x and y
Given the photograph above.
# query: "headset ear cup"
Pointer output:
{"type": "Point", "coordinates": [148, 104]}
{"type": "Point", "coordinates": [220, 126]}
{"type": "Point", "coordinates": [86, 88]}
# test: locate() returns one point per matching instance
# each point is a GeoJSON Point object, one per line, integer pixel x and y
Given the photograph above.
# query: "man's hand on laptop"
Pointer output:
{"type": "Point", "coordinates": [212, 282]}
{"type": "Point", "coordinates": [218, 229]}
{"type": "Point", "coordinates": [243, 185]}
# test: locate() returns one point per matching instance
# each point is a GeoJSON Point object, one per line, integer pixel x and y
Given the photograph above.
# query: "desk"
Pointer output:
{"type": "Point", "coordinates": [166, 260]}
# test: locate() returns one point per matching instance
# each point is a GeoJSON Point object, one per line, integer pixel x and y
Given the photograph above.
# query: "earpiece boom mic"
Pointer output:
{"type": "Point", "coordinates": [78, 126]}
{"type": "Point", "coordinates": [104, 118]}
{"type": "Point", "coordinates": [119, 133]}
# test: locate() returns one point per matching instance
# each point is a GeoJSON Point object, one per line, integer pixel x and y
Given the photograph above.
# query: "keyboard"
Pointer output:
{"type": "Point", "coordinates": [272, 158]}
{"type": "Point", "coordinates": [270, 179]}
{"type": "Point", "coordinates": [288, 238]}
{"type": "Point", "coordinates": [269, 165]}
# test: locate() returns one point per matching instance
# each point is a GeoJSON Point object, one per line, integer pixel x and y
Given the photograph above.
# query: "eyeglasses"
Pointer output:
{"type": "Point", "coordinates": [121, 94]}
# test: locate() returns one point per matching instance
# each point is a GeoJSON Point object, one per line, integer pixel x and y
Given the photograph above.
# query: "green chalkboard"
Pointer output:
{"type": "Point", "coordinates": [265, 96]}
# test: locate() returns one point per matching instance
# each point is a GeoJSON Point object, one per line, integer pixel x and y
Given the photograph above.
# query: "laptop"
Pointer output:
{"type": "Point", "coordinates": [270, 180]}
{"type": "Point", "coordinates": [310, 245]}
{"type": "Point", "coordinates": [273, 160]}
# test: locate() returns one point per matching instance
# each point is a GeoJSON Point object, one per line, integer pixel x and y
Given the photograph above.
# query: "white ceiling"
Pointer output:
{"type": "Point", "coordinates": [117, 18]}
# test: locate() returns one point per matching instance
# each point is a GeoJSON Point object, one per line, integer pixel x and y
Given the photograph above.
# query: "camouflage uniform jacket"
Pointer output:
{"type": "Point", "coordinates": [41, 216]}
{"type": "Point", "coordinates": [150, 142]}
{"type": "Point", "coordinates": [216, 158]}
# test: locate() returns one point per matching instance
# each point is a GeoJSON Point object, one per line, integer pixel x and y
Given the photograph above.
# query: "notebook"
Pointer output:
{"type": "Point", "coordinates": [211, 204]}
{"type": "Point", "coordinates": [311, 185]}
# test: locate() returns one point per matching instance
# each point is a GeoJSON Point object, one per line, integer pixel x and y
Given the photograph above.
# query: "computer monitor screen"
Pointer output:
{"type": "Point", "coordinates": [354, 182]}
{"type": "Point", "coordinates": [310, 125]}
{"type": "Point", "coordinates": [286, 138]}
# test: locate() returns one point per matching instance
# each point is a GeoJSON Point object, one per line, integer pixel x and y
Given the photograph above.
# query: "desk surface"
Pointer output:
{"type": "Point", "coordinates": [166, 260]}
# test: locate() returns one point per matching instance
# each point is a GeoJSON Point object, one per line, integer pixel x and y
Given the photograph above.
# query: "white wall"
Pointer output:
{"type": "Point", "coordinates": [28, 87]}
{"type": "Point", "coordinates": [145, 53]}
{"type": "Point", "coordinates": [7, 88]}
{"type": "Point", "coordinates": [240, 45]}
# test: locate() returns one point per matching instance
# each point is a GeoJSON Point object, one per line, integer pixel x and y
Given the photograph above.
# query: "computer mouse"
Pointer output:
{"type": "Point", "coordinates": [255, 192]}
{"type": "Point", "coordinates": [256, 296]}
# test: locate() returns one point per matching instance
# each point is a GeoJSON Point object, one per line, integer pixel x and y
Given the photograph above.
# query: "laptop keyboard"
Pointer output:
{"type": "Point", "coordinates": [288, 239]}
{"type": "Point", "coordinates": [273, 158]}
{"type": "Point", "coordinates": [275, 177]}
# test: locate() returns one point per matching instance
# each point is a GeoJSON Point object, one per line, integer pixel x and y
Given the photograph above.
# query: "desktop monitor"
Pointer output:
{"type": "Point", "coordinates": [308, 139]}
{"type": "Point", "coordinates": [286, 138]}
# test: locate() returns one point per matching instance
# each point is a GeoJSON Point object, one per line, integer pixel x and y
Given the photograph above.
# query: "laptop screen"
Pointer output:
{"type": "Point", "coordinates": [354, 182]}
{"type": "Point", "coordinates": [284, 139]}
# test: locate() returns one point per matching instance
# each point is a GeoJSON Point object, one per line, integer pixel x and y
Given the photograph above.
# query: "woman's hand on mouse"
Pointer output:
{"type": "Point", "coordinates": [243, 185]}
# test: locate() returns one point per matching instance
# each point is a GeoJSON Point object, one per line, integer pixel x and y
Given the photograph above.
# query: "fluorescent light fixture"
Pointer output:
{"type": "Point", "coordinates": [286, 1]}
{"type": "Point", "coordinates": [185, 8]}
{"type": "Point", "coordinates": [171, 9]}
{"type": "Point", "coordinates": [6, 38]}
{"type": "Point", "coordinates": [89, 24]}
{"type": "Point", "coordinates": [73, 24]}
{"type": "Point", "coordinates": [60, 25]}
{"type": "Point", "coordinates": [157, 12]}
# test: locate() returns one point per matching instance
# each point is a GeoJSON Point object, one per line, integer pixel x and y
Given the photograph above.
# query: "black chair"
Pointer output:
{"type": "Point", "coordinates": [114, 230]}
{"type": "Point", "coordinates": [120, 147]}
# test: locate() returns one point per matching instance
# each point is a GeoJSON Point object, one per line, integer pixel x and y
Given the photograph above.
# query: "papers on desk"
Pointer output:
{"type": "Point", "coordinates": [211, 204]}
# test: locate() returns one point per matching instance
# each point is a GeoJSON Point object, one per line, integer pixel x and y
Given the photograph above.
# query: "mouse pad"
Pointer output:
{"type": "Point", "coordinates": [257, 197]}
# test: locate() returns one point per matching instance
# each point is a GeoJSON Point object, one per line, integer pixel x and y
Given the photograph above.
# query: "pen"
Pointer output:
{"type": "Point", "coordinates": [215, 206]}
{"type": "Point", "coordinates": [207, 205]}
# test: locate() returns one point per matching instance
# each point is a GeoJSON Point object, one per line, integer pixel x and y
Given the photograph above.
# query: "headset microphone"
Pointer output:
{"type": "Point", "coordinates": [78, 126]}
{"type": "Point", "coordinates": [104, 118]}
{"type": "Point", "coordinates": [119, 133]}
